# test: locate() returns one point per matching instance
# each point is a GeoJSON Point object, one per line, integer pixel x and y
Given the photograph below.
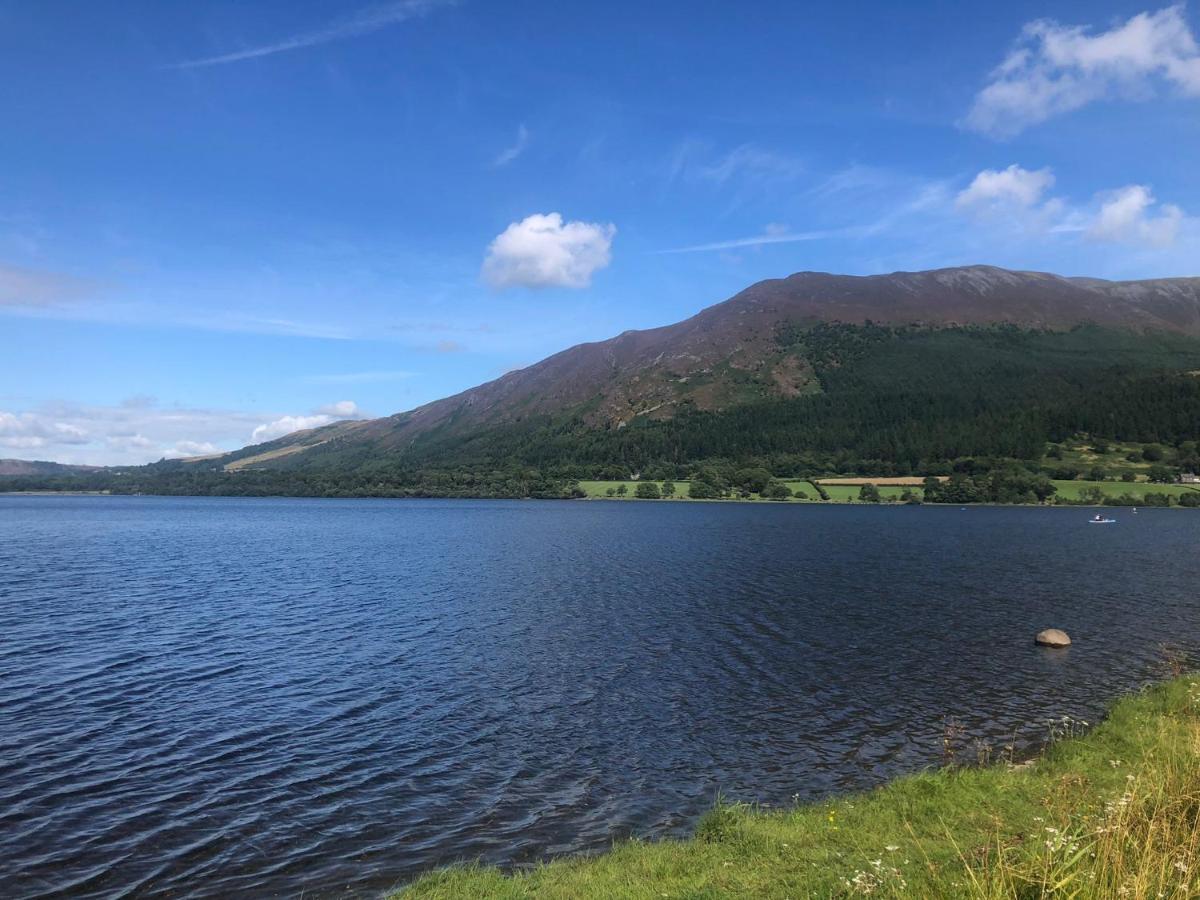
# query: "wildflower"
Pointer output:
{"type": "Point", "coordinates": [891, 848]}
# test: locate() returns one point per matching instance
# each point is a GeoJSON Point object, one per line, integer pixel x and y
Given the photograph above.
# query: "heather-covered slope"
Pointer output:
{"type": "Point", "coordinates": [737, 352]}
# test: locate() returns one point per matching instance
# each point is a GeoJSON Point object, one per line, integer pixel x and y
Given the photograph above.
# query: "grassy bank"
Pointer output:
{"type": "Point", "coordinates": [1074, 490]}
{"type": "Point", "coordinates": [1114, 813]}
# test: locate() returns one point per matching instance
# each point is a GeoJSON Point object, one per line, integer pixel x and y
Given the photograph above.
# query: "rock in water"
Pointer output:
{"type": "Point", "coordinates": [1052, 637]}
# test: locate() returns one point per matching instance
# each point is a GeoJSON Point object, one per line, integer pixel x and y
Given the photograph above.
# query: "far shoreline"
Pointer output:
{"type": "Point", "coordinates": [639, 500]}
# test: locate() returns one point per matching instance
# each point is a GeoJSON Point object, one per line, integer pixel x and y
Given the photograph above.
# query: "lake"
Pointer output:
{"type": "Point", "coordinates": [213, 697]}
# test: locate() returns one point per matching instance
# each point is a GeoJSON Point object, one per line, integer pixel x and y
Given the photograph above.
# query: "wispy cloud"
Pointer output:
{"type": "Point", "coordinates": [1057, 68]}
{"type": "Point", "coordinates": [694, 161]}
{"type": "Point", "coordinates": [365, 21]}
{"type": "Point", "coordinates": [768, 237]}
{"type": "Point", "coordinates": [34, 288]}
{"type": "Point", "coordinates": [359, 377]}
{"type": "Point", "coordinates": [510, 153]}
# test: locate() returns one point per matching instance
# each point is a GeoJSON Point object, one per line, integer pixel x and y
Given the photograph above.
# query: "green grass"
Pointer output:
{"type": "Point", "coordinates": [1081, 455]}
{"type": "Point", "coordinates": [847, 493]}
{"type": "Point", "coordinates": [1128, 792]}
{"type": "Point", "coordinates": [599, 489]}
{"type": "Point", "coordinates": [1071, 490]}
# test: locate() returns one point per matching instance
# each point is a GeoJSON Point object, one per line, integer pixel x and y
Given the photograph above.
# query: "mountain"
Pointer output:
{"type": "Point", "coordinates": [978, 371]}
{"type": "Point", "coordinates": [741, 352]}
{"type": "Point", "coordinates": [20, 467]}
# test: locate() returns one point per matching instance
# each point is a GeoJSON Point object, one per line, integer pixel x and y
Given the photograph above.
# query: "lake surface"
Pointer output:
{"type": "Point", "coordinates": [218, 697]}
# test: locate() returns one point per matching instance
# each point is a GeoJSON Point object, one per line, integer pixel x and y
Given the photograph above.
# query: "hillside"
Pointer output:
{"type": "Point", "coordinates": [963, 370]}
{"type": "Point", "coordinates": [737, 351]}
{"type": "Point", "coordinates": [17, 467]}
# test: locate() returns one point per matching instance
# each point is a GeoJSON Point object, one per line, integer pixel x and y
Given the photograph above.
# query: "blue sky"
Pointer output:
{"type": "Point", "coordinates": [221, 221]}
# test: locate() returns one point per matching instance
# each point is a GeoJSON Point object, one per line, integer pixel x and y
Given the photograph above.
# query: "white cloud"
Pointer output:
{"type": "Point", "coordinates": [359, 377]}
{"type": "Point", "coordinates": [1127, 216]}
{"type": "Point", "coordinates": [544, 251]}
{"type": "Point", "coordinates": [342, 409]}
{"type": "Point", "coordinates": [27, 431]}
{"type": "Point", "coordinates": [1057, 68]}
{"type": "Point", "coordinates": [184, 449]}
{"type": "Point", "coordinates": [325, 415]}
{"type": "Point", "coordinates": [269, 431]}
{"type": "Point", "coordinates": [1014, 199]}
{"type": "Point", "coordinates": [365, 21]}
{"type": "Point", "coordinates": [994, 189]}
{"type": "Point", "coordinates": [510, 153]}
{"type": "Point", "coordinates": [142, 431]}
{"type": "Point", "coordinates": [123, 434]}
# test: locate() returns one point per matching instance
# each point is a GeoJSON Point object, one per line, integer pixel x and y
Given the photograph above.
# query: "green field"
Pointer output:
{"type": "Point", "coordinates": [848, 493]}
{"type": "Point", "coordinates": [1106, 815]}
{"type": "Point", "coordinates": [842, 493]}
{"type": "Point", "coordinates": [1071, 490]}
{"type": "Point", "coordinates": [599, 489]}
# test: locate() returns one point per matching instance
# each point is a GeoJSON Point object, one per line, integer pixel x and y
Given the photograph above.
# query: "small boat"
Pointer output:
{"type": "Point", "coordinates": [1100, 520]}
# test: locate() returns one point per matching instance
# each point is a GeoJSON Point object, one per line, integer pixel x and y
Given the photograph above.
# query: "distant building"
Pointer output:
{"type": "Point", "coordinates": [1189, 478]}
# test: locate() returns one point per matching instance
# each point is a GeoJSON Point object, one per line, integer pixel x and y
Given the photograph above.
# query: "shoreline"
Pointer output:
{"type": "Point", "coordinates": [1103, 812]}
{"type": "Point", "coordinates": [885, 504]}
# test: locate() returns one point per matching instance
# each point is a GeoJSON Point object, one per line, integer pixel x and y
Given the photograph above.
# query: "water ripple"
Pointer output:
{"type": "Point", "coordinates": [269, 697]}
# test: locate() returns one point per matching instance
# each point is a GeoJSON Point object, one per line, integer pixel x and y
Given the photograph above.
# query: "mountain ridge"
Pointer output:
{"type": "Point", "coordinates": [730, 352]}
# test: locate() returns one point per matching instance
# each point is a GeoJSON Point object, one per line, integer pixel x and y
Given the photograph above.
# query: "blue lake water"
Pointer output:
{"type": "Point", "coordinates": [214, 697]}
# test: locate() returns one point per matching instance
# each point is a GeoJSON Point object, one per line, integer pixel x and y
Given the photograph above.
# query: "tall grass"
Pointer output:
{"type": "Point", "coordinates": [1113, 813]}
{"type": "Point", "coordinates": [1141, 843]}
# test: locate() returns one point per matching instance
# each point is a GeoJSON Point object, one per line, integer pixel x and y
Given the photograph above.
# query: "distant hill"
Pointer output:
{"type": "Point", "coordinates": [10, 467]}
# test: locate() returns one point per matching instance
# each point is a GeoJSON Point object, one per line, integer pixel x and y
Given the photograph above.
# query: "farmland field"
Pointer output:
{"type": "Point", "coordinates": [1072, 490]}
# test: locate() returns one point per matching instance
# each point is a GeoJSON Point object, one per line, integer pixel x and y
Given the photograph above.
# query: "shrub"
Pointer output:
{"type": "Point", "coordinates": [1160, 475]}
{"type": "Point", "coordinates": [753, 480]}
{"type": "Point", "coordinates": [647, 490]}
{"type": "Point", "coordinates": [868, 493]}
{"type": "Point", "coordinates": [776, 491]}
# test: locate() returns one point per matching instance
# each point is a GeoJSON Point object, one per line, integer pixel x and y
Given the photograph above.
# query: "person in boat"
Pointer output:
{"type": "Point", "coordinates": [1098, 518]}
